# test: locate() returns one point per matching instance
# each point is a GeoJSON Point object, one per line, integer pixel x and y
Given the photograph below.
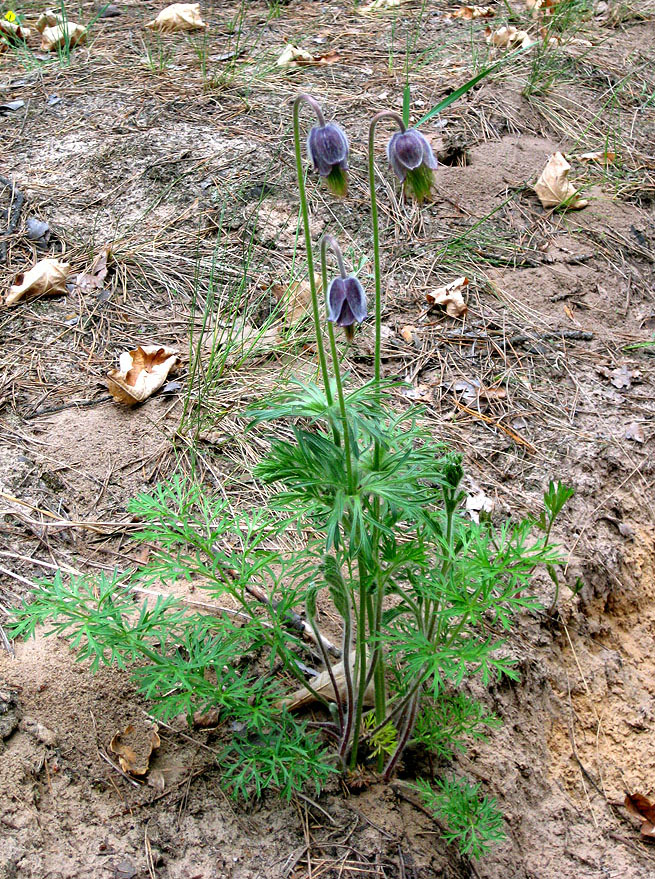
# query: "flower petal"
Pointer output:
{"type": "Point", "coordinates": [408, 148]}
{"type": "Point", "coordinates": [336, 296]}
{"type": "Point", "coordinates": [327, 145]}
{"type": "Point", "coordinates": [396, 167]}
{"type": "Point", "coordinates": [428, 156]}
{"type": "Point", "coordinates": [356, 298]}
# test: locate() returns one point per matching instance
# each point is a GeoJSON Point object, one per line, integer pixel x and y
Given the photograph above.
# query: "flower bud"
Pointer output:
{"type": "Point", "coordinates": [412, 161]}
{"type": "Point", "coordinates": [346, 301]}
{"type": "Point", "coordinates": [327, 146]}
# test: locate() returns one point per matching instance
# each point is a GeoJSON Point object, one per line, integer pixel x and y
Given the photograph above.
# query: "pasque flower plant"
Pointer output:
{"type": "Point", "coordinates": [424, 596]}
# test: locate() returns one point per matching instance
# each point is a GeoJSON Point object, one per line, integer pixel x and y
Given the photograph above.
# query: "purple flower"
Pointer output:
{"type": "Point", "coordinates": [346, 301]}
{"type": "Point", "coordinates": [412, 161]}
{"type": "Point", "coordinates": [327, 146]}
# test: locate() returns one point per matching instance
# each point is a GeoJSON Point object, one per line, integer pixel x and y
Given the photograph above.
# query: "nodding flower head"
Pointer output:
{"type": "Point", "coordinates": [327, 146]}
{"type": "Point", "coordinates": [346, 302]}
{"type": "Point", "coordinates": [412, 161]}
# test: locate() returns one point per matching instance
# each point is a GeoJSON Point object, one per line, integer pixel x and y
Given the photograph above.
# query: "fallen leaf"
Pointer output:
{"type": "Point", "coordinates": [38, 231]}
{"type": "Point", "coordinates": [67, 33]}
{"type": "Point", "coordinates": [642, 808]}
{"type": "Point", "coordinates": [507, 37]}
{"type": "Point", "coordinates": [469, 390]}
{"type": "Point", "coordinates": [207, 719]}
{"type": "Point", "coordinates": [111, 11]}
{"type": "Point", "coordinates": [605, 157]}
{"type": "Point", "coordinates": [14, 31]}
{"type": "Point", "coordinates": [322, 684]}
{"type": "Point", "coordinates": [178, 17]}
{"type": "Point", "coordinates": [47, 277]}
{"type": "Point", "coordinates": [125, 870]}
{"type": "Point", "coordinates": [479, 505]}
{"type": "Point", "coordinates": [379, 6]}
{"type": "Point", "coordinates": [634, 431]}
{"type": "Point", "coordinates": [49, 18]}
{"type": "Point", "coordinates": [468, 13]}
{"type": "Point", "coordinates": [297, 298]}
{"type": "Point", "coordinates": [408, 334]}
{"type": "Point", "coordinates": [11, 107]}
{"type": "Point", "coordinates": [141, 372]}
{"type": "Point", "coordinates": [554, 189]}
{"type": "Point", "coordinates": [450, 297]}
{"type": "Point", "coordinates": [293, 56]}
{"type": "Point", "coordinates": [133, 748]}
{"type": "Point", "coordinates": [536, 6]}
{"type": "Point", "coordinates": [156, 780]}
{"type": "Point", "coordinates": [621, 377]}
{"type": "Point", "coordinates": [95, 277]}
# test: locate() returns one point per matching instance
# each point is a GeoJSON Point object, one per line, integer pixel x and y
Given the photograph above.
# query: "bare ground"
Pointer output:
{"type": "Point", "coordinates": [184, 166]}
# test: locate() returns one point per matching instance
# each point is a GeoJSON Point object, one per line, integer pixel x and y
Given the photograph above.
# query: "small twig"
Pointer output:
{"type": "Point", "coordinates": [15, 205]}
{"type": "Point", "coordinates": [107, 759]}
{"type": "Point", "coordinates": [6, 642]}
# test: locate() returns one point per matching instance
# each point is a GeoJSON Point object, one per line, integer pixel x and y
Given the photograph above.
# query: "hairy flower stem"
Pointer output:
{"type": "Point", "coordinates": [347, 672]}
{"type": "Point", "coordinates": [328, 242]}
{"type": "Point", "coordinates": [361, 661]}
{"type": "Point", "coordinates": [404, 736]}
{"type": "Point", "coordinates": [307, 99]}
{"type": "Point", "coordinates": [377, 660]}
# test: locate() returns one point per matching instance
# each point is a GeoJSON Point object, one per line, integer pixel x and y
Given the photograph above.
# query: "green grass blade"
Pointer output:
{"type": "Point", "coordinates": [454, 96]}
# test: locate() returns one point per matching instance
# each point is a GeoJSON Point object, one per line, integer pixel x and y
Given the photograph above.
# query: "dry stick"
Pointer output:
{"type": "Point", "coordinates": [294, 619]}
{"type": "Point", "coordinates": [6, 642]}
{"type": "Point", "coordinates": [17, 199]}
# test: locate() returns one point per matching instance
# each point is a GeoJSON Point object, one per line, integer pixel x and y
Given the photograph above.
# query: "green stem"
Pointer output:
{"type": "Point", "coordinates": [385, 114]}
{"type": "Point", "coordinates": [377, 662]}
{"type": "Point", "coordinates": [360, 661]}
{"type": "Point", "coordinates": [307, 99]}
{"type": "Point", "coordinates": [329, 242]}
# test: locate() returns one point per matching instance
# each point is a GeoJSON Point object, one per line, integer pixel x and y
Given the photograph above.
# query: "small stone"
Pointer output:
{"type": "Point", "coordinates": [39, 731]}
{"type": "Point", "coordinates": [110, 11]}
{"type": "Point", "coordinates": [9, 713]}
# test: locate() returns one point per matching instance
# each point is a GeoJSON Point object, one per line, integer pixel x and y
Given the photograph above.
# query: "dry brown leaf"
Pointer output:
{"type": "Point", "coordinates": [141, 372]}
{"type": "Point", "coordinates": [479, 504]}
{"type": "Point", "coordinates": [507, 37]}
{"type": "Point", "coordinates": [553, 187]}
{"type": "Point", "coordinates": [538, 6]}
{"type": "Point", "coordinates": [322, 684]}
{"type": "Point", "coordinates": [49, 18]}
{"type": "Point", "coordinates": [47, 277]}
{"type": "Point", "coordinates": [178, 17]}
{"type": "Point", "coordinates": [379, 6]}
{"type": "Point", "coordinates": [621, 377]}
{"type": "Point", "coordinates": [66, 33]}
{"type": "Point", "coordinates": [634, 431]}
{"type": "Point", "coordinates": [133, 748]}
{"type": "Point", "coordinates": [293, 56]}
{"type": "Point", "coordinates": [408, 334]}
{"type": "Point", "coordinates": [468, 13]}
{"type": "Point", "coordinates": [450, 297]}
{"type": "Point", "coordinates": [14, 30]}
{"type": "Point", "coordinates": [297, 298]}
{"type": "Point", "coordinates": [95, 277]}
{"type": "Point", "coordinates": [605, 157]}
{"type": "Point", "coordinates": [641, 806]}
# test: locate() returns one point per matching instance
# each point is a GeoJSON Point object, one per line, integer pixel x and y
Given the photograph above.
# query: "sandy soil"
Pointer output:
{"type": "Point", "coordinates": [185, 167]}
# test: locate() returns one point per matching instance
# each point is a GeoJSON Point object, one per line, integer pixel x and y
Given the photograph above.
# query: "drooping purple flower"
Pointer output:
{"type": "Point", "coordinates": [327, 146]}
{"type": "Point", "coordinates": [346, 301]}
{"type": "Point", "coordinates": [412, 161]}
